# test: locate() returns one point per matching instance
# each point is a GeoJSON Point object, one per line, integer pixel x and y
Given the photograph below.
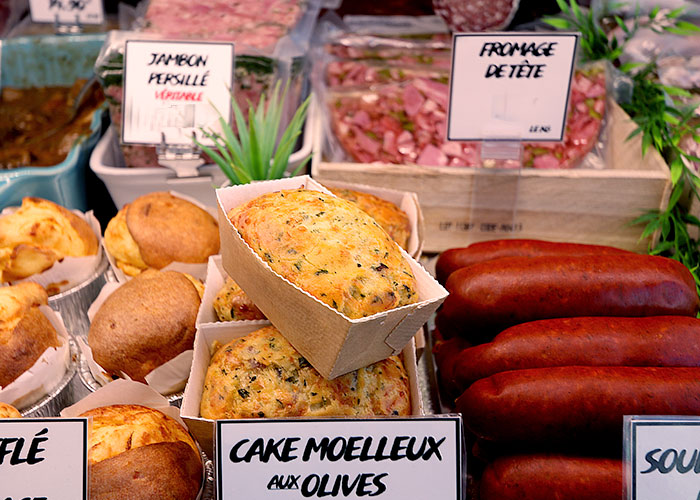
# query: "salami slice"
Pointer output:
{"type": "Point", "coordinates": [476, 15]}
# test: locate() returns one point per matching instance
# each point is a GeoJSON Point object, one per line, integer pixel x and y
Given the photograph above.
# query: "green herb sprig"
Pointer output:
{"type": "Point", "coordinates": [255, 150]}
{"type": "Point", "coordinates": [662, 119]}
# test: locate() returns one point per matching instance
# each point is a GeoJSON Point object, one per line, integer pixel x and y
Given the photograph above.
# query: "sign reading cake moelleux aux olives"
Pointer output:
{"type": "Point", "coordinates": [389, 458]}
{"type": "Point", "coordinates": [43, 459]}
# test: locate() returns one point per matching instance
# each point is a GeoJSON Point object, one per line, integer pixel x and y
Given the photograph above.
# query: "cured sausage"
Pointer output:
{"type": "Point", "coordinates": [547, 477]}
{"type": "Point", "coordinates": [574, 403]}
{"type": "Point", "coordinates": [446, 354]}
{"type": "Point", "coordinates": [456, 258]}
{"type": "Point", "coordinates": [476, 15]}
{"type": "Point", "coordinates": [591, 341]}
{"type": "Point", "coordinates": [488, 297]}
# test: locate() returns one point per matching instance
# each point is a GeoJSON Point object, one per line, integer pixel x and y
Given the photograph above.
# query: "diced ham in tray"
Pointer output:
{"type": "Point", "coordinates": [405, 123]}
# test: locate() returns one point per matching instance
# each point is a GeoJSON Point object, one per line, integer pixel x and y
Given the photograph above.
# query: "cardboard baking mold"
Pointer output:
{"type": "Point", "coordinates": [331, 342]}
{"type": "Point", "coordinates": [202, 428]}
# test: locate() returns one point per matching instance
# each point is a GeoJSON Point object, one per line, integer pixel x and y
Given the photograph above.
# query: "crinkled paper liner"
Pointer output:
{"type": "Point", "coordinates": [45, 373]}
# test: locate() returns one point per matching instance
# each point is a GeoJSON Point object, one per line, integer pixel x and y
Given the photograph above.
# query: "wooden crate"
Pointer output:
{"type": "Point", "coordinates": [466, 205]}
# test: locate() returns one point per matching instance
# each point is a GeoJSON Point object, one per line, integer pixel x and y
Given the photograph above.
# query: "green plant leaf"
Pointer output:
{"type": "Point", "coordinates": [558, 23]}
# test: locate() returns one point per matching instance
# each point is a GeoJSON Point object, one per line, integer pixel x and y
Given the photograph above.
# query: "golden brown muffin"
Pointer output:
{"type": "Point", "coordinates": [233, 304]}
{"type": "Point", "coordinates": [262, 375]}
{"type": "Point", "coordinates": [392, 219]}
{"type": "Point", "coordinates": [118, 428]}
{"type": "Point", "coordinates": [25, 333]}
{"type": "Point", "coordinates": [138, 453]}
{"type": "Point", "coordinates": [159, 228]}
{"type": "Point", "coordinates": [37, 235]}
{"type": "Point", "coordinates": [163, 471]}
{"type": "Point", "coordinates": [8, 411]}
{"type": "Point", "coordinates": [144, 323]}
{"type": "Point", "coordinates": [329, 248]}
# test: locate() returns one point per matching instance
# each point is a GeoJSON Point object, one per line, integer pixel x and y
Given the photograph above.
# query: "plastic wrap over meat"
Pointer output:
{"type": "Point", "coordinates": [405, 122]}
{"type": "Point", "coordinates": [476, 15]}
{"type": "Point", "coordinates": [253, 75]}
{"type": "Point", "coordinates": [258, 24]}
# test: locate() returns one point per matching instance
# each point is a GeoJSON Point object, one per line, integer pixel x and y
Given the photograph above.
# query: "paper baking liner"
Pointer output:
{"type": "Point", "coordinates": [199, 271]}
{"type": "Point", "coordinates": [73, 303]}
{"type": "Point", "coordinates": [40, 379]}
{"type": "Point", "coordinates": [206, 317]}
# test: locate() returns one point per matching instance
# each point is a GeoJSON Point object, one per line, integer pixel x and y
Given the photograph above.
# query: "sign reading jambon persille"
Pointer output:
{"type": "Point", "coordinates": [174, 89]}
{"type": "Point", "coordinates": [43, 459]}
{"type": "Point", "coordinates": [386, 458]}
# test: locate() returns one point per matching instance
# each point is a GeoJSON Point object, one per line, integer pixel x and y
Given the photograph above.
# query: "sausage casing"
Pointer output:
{"type": "Point", "coordinates": [490, 296]}
{"type": "Point", "coordinates": [457, 258]}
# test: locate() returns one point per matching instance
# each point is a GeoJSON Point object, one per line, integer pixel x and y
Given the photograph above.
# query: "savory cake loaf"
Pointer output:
{"type": "Point", "coordinates": [25, 333]}
{"type": "Point", "coordinates": [8, 411]}
{"type": "Point", "coordinates": [39, 234]}
{"type": "Point", "coordinates": [329, 248]}
{"type": "Point", "coordinates": [392, 219]}
{"type": "Point", "coordinates": [262, 375]}
{"type": "Point", "coordinates": [144, 323]}
{"type": "Point", "coordinates": [137, 452]}
{"type": "Point", "coordinates": [233, 304]}
{"type": "Point", "coordinates": [157, 229]}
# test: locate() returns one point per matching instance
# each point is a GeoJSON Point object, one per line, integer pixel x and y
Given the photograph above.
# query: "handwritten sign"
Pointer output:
{"type": "Point", "coordinates": [174, 89]}
{"type": "Point", "coordinates": [43, 459]}
{"type": "Point", "coordinates": [383, 458]}
{"type": "Point", "coordinates": [510, 87]}
{"type": "Point", "coordinates": [662, 458]}
{"type": "Point", "coordinates": [67, 11]}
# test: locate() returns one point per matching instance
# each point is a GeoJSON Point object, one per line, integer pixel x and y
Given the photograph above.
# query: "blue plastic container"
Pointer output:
{"type": "Point", "coordinates": [50, 61]}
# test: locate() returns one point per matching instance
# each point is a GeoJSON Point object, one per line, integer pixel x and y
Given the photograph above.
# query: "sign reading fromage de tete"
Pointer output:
{"type": "Point", "coordinates": [510, 87]}
{"type": "Point", "coordinates": [43, 459]}
{"type": "Point", "coordinates": [384, 458]}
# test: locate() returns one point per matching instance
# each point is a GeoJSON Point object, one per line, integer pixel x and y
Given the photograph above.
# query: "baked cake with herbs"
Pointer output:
{"type": "Point", "coordinates": [328, 247]}
{"type": "Point", "coordinates": [262, 376]}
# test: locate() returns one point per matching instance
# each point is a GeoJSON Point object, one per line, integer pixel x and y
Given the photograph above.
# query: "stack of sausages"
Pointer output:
{"type": "Point", "coordinates": [548, 345]}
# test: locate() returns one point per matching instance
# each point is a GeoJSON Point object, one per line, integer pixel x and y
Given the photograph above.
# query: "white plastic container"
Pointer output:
{"type": "Point", "coordinates": [126, 184]}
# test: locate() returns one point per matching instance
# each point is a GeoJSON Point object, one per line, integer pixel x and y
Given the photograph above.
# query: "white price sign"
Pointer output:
{"type": "Point", "coordinates": [510, 87]}
{"type": "Point", "coordinates": [173, 89]}
{"type": "Point", "coordinates": [43, 459]}
{"type": "Point", "coordinates": [662, 458]}
{"type": "Point", "coordinates": [397, 458]}
{"type": "Point", "coordinates": [67, 11]}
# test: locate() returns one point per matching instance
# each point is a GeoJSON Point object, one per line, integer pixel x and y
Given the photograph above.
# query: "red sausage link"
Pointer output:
{"type": "Point", "coordinates": [457, 258]}
{"type": "Point", "coordinates": [491, 296]}
{"type": "Point", "coordinates": [574, 403]}
{"type": "Point", "coordinates": [587, 341]}
{"type": "Point", "coordinates": [446, 354]}
{"type": "Point", "coordinates": [548, 477]}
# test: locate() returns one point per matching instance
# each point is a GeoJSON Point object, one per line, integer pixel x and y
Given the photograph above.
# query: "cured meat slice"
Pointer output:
{"type": "Point", "coordinates": [476, 15]}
